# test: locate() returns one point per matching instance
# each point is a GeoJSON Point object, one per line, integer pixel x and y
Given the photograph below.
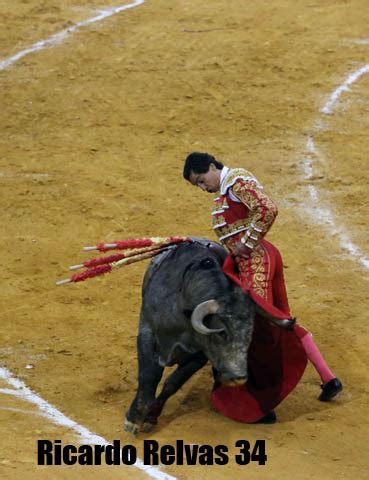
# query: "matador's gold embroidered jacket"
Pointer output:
{"type": "Point", "coordinates": [242, 210]}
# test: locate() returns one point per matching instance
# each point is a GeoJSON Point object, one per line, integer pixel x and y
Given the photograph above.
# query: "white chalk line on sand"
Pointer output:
{"type": "Point", "coordinates": [21, 391]}
{"type": "Point", "coordinates": [362, 41]}
{"type": "Point", "coordinates": [63, 34]}
{"type": "Point", "coordinates": [344, 87]}
{"type": "Point", "coordinates": [317, 209]}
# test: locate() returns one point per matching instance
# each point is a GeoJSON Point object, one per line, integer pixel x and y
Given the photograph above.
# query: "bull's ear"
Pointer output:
{"type": "Point", "coordinates": [187, 313]}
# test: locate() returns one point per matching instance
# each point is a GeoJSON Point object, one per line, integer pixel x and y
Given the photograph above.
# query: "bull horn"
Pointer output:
{"type": "Point", "coordinates": [205, 308]}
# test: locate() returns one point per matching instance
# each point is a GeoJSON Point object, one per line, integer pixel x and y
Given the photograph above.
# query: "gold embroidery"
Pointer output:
{"type": "Point", "coordinates": [232, 229]}
{"type": "Point", "coordinates": [254, 271]}
{"type": "Point", "coordinates": [218, 222]}
{"type": "Point", "coordinates": [259, 278]}
{"type": "Point", "coordinates": [262, 209]}
{"type": "Point", "coordinates": [238, 173]}
{"type": "Point", "coordinates": [217, 210]}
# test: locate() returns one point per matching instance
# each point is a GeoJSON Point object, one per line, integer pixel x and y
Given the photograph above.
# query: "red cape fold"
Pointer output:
{"type": "Point", "coordinates": [276, 359]}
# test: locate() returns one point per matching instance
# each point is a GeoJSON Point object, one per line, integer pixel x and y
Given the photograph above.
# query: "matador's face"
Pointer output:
{"type": "Point", "coordinates": [208, 181]}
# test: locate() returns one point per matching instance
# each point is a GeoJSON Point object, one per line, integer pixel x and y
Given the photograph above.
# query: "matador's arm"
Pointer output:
{"type": "Point", "coordinates": [263, 210]}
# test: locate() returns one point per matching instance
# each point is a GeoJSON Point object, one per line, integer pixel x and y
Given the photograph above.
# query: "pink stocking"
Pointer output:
{"type": "Point", "coordinates": [316, 358]}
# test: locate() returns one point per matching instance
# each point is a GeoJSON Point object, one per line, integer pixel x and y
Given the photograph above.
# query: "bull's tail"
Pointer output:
{"type": "Point", "coordinates": [135, 250]}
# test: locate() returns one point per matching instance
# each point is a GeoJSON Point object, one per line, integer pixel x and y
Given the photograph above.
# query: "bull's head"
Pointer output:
{"type": "Point", "coordinates": [227, 340]}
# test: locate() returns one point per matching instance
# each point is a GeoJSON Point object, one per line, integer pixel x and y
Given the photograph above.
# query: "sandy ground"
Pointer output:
{"type": "Point", "coordinates": [93, 136]}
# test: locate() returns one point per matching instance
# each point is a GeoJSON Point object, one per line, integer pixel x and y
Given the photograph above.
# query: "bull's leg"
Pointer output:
{"type": "Point", "coordinates": [171, 385]}
{"type": "Point", "coordinates": [149, 375]}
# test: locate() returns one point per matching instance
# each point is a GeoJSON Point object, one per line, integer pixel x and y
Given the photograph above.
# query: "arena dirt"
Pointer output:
{"type": "Point", "coordinates": [93, 136]}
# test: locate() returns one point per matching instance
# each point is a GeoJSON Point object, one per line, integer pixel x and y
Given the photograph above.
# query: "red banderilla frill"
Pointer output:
{"type": "Point", "coordinates": [137, 243]}
{"type": "Point", "coordinates": [137, 250]}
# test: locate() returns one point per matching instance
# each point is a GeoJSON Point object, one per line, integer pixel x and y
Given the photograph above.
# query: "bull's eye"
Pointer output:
{"type": "Point", "coordinates": [207, 263]}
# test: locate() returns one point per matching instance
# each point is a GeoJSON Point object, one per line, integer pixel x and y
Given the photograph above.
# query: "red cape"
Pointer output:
{"type": "Point", "coordinates": [276, 358]}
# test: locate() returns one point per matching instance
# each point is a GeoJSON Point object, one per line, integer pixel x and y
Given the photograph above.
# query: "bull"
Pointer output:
{"type": "Point", "coordinates": [191, 313]}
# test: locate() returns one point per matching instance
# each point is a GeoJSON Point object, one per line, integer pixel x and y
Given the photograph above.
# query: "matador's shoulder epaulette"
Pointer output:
{"type": "Point", "coordinates": [236, 174]}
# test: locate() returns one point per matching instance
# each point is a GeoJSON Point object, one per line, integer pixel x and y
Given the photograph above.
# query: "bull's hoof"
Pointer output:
{"type": "Point", "coordinates": [132, 427]}
{"type": "Point", "coordinates": [147, 427]}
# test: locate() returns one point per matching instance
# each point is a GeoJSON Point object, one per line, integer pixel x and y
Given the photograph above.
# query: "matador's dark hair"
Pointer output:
{"type": "Point", "coordinates": [197, 162]}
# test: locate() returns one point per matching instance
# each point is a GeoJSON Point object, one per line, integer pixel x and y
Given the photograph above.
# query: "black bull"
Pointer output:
{"type": "Point", "coordinates": [191, 313]}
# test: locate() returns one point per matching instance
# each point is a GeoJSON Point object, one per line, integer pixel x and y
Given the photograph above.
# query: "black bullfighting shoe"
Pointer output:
{"type": "Point", "coordinates": [269, 418]}
{"type": "Point", "coordinates": [330, 389]}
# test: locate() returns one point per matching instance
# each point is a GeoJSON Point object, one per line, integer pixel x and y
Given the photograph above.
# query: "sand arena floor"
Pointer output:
{"type": "Point", "coordinates": [94, 131]}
